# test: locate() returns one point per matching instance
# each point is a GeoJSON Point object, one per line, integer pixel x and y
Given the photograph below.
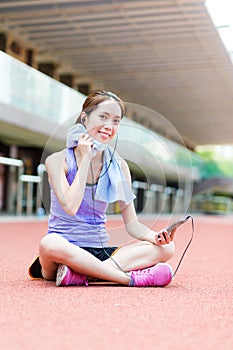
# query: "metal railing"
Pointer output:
{"type": "Point", "coordinates": [20, 166]}
{"type": "Point", "coordinates": [22, 181]}
{"type": "Point", "coordinates": [156, 198]}
{"type": "Point", "coordinates": [30, 181]}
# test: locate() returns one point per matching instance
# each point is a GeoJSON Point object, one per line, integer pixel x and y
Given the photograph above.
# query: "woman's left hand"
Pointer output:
{"type": "Point", "coordinates": [162, 237]}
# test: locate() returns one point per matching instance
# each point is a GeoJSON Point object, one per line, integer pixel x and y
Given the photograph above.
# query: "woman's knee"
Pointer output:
{"type": "Point", "coordinates": [168, 251]}
{"type": "Point", "coordinates": [52, 245]}
{"type": "Point", "coordinates": [160, 253]}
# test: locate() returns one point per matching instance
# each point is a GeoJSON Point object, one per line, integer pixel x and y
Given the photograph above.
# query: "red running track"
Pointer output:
{"type": "Point", "coordinates": [194, 312]}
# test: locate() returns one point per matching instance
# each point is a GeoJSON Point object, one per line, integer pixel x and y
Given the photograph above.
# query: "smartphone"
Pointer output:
{"type": "Point", "coordinates": [176, 224]}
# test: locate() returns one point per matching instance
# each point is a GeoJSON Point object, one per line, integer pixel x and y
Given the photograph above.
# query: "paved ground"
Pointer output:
{"type": "Point", "coordinates": [194, 312]}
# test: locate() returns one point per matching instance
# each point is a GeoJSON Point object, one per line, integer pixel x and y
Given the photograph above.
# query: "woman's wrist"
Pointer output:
{"type": "Point", "coordinates": [150, 236]}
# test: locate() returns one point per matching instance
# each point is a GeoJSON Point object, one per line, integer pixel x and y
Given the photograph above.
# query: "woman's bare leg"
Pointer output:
{"type": "Point", "coordinates": [55, 250]}
{"type": "Point", "coordinates": [140, 255]}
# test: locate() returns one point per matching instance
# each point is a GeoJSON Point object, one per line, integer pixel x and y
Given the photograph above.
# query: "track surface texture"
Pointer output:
{"type": "Point", "coordinates": [194, 312]}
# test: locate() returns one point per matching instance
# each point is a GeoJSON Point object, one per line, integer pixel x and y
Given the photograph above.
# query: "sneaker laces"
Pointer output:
{"type": "Point", "coordinates": [145, 275]}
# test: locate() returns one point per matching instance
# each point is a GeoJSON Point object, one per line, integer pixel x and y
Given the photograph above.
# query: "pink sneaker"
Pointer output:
{"type": "Point", "coordinates": [67, 277]}
{"type": "Point", "coordinates": [158, 275]}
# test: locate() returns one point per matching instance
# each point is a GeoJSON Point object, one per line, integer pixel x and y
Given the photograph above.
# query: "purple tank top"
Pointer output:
{"type": "Point", "coordinates": [83, 229]}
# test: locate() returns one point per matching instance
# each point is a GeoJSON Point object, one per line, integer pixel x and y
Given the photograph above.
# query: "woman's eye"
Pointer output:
{"type": "Point", "coordinates": [102, 116]}
{"type": "Point", "coordinates": [116, 121]}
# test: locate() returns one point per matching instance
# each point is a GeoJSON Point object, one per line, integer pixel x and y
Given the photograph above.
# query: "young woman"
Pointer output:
{"type": "Point", "coordinates": [84, 178]}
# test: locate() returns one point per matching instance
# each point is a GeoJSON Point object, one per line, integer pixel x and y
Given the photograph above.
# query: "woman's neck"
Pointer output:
{"type": "Point", "coordinates": [98, 158]}
{"type": "Point", "coordinates": [96, 166]}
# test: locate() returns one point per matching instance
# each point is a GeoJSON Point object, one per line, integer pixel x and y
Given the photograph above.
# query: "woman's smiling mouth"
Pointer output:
{"type": "Point", "coordinates": [104, 135]}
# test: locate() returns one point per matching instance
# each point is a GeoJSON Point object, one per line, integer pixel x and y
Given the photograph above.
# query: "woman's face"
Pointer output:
{"type": "Point", "coordinates": [102, 124]}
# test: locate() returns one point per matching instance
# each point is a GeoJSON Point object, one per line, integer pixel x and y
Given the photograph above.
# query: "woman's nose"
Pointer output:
{"type": "Point", "coordinates": [108, 124]}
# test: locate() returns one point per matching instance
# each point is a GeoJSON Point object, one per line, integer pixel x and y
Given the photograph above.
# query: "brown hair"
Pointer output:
{"type": "Point", "coordinates": [94, 99]}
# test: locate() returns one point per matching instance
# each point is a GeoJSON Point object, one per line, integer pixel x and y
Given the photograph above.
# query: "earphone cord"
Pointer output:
{"type": "Point", "coordinates": [182, 256]}
{"type": "Point", "coordinates": [94, 214]}
{"type": "Point", "coordinates": [110, 162]}
{"type": "Point", "coordinates": [93, 200]}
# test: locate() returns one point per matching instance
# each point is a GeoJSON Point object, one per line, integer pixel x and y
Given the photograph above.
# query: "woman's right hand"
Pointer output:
{"type": "Point", "coordinates": [85, 144]}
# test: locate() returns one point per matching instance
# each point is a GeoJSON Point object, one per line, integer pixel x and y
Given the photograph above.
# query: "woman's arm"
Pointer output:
{"type": "Point", "coordinates": [135, 228]}
{"type": "Point", "coordinates": [69, 196]}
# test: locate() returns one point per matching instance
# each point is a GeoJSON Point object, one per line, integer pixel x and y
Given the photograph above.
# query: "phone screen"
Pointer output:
{"type": "Point", "coordinates": [177, 224]}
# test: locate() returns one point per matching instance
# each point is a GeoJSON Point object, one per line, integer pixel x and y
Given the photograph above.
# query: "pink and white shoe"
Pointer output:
{"type": "Point", "coordinates": [159, 275]}
{"type": "Point", "coordinates": [67, 277]}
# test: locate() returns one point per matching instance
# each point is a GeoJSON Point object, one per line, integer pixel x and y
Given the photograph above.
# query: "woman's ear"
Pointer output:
{"type": "Point", "coordinates": [83, 118]}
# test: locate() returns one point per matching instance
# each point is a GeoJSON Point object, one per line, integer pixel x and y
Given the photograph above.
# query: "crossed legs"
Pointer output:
{"type": "Point", "coordinates": [55, 250]}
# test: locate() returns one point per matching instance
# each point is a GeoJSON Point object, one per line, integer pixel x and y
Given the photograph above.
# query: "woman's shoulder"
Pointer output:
{"type": "Point", "coordinates": [119, 159]}
{"type": "Point", "coordinates": [55, 158]}
{"type": "Point", "coordinates": [124, 166]}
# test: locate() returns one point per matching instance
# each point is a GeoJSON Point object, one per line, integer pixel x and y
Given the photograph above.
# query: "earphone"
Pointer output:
{"type": "Point", "coordinates": [83, 117]}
